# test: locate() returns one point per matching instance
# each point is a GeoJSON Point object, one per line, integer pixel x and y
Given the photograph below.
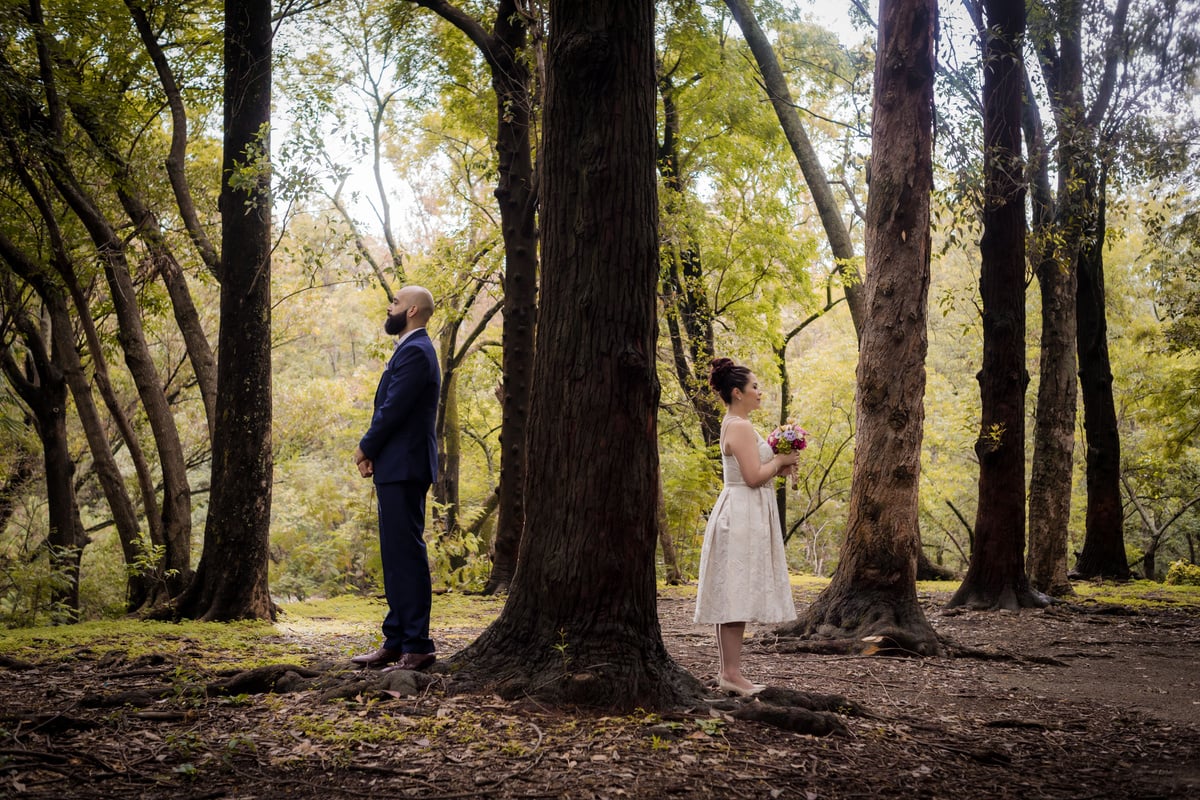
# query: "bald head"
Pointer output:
{"type": "Point", "coordinates": [411, 308]}
{"type": "Point", "coordinates": [417, 302]}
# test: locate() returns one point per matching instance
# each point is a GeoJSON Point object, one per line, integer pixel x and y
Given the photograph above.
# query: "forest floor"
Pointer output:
{"type": "Point", "coordinates": [1082, 700]}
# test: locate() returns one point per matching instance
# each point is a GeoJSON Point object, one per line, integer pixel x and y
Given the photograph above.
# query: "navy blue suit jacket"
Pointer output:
{"type": "Point", "coordinates": [401, 441]}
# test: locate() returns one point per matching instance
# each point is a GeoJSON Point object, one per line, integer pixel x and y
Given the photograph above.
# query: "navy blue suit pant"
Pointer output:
{"type": "Point", "coordinates": [406, 580]}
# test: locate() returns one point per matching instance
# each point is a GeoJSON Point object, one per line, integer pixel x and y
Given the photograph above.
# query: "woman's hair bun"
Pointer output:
{"type": "Point", "coordinates": [719, 371]}
{"type": "Point", "coordinates": [724, 375]}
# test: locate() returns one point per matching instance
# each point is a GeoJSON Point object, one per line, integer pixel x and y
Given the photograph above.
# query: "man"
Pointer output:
{"type": "Point", "coordinates": [399, 450]}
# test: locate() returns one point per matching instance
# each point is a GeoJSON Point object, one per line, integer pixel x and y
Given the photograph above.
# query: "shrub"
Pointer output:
{"type": "Point", "coordinates": [1182, 573]}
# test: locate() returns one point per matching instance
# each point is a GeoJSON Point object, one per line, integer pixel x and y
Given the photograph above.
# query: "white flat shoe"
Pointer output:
{"type": "Point", "coordinates": [726, 686]}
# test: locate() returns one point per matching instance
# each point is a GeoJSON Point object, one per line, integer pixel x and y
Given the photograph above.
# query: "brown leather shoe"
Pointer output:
{"type": "Point", "coordinates": [416, 662]}
{"type": "Point", "coordinates": [380, 658]}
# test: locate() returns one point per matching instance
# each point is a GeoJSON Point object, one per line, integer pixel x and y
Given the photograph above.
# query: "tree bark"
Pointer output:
{"type": "Point", "coordinates": [1055, 240]}
{"type": "Point", "coordinates": [674, 574]}
{"type": "Point", "coordinates": [873, 592]}
{"type": "Point", "coordinates": [996, 577]}
{"type": "Point", "coordinates": [806, 156]}
{"type": "Point", "coordinates": [231, 579]}
{"type": "Point", "coordinates": [580, 625]}
{"type": "Point", "coordinates": [145, 221]}
{"type": "Point", "coordinates": [449, 439]}
{"type": "Point", "coordinates": [44, 390]}
{"type": "Point", "coordinates": [140, 586]}
{"type": "Point", "coordinates": [176, 161]}
{"type": "Point", "coordinates": [1103, 554]}
{"type": "Point", "coordinates": [20, 475]}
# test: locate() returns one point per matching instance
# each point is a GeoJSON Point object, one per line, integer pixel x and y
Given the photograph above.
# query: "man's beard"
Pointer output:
{"type": "Point", "coordinates": [394, 324]}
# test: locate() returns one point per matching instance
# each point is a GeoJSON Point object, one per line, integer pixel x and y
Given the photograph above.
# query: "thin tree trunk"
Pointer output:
{"type": "Point", "coordinates": [44, 391]}
{"type": "Point", "coordinates": [445, 488]}
{"type": "Point", "coordinates": [1055, 240]}
{"type": "Point", "coordinates": [176, 161]}
{"type": "Point", "coordinates": [873, 591]}
{"type": "Point", "coordinates": [204, 365]}
{"type": "Point", "coordinates": [806, 156]}
{"type": "Point", "coordinates": [176, 502]}
{"type": "Point", "coordinates": [505, 50]}
{"type": "Point", "coordinates": [684, 300]}
{"type": "Point", "coordinates": [666, 543]}
{"type": "Point", "coordinates": [107, 472]}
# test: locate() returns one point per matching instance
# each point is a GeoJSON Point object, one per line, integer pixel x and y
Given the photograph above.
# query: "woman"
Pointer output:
{"type": "Point", "coordinates": [743, 570]}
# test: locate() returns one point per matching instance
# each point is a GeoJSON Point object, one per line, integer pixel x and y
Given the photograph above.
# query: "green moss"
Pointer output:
{"type": "Point", "coordinates": [338, 626]}
{"type": "Point", "coordinates": [1139, 594]}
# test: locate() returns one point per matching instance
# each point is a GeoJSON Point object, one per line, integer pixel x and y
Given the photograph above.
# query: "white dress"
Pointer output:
{"type": "Point", "coordinates": [743, 568]}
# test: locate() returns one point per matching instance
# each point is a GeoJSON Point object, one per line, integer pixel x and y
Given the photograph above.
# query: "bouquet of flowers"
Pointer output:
{"type": "Point", "coordinates": [788, 438]}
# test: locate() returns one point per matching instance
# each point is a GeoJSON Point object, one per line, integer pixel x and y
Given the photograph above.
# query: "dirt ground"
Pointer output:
{"type": "Point", "coordinates": [1080, 701]}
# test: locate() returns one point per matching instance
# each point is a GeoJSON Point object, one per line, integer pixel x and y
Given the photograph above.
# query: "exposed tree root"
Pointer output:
{"type": "Point", "coordinates": [1011, 597]}
{"type": "Point", "coordinates": [869, 622]}
{"type": "Point", "coordinates": [797, 720]}
{"type": "Point", "coordinates": [8, 662]}
{"type": "Point", "coordinates": [894, 643]}
{"type": "Point", "coordinates": [955, 650]}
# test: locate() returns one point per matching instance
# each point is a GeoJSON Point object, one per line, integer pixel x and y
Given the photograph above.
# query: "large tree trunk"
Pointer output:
{"type": "Point", "coordinates": [580, 625]}
{"type": "Point", "coordinates": [1103, 552]}
{"type": "Point", "coordinates": [873, 592]}
{"type": "Point", "coordinates": [231, 580]}
{"type": "Point", "coordinates": [806, 156]}
{"type": "Point", "coordinates": [517, 197]}
{"type": "Point", "coordinates": [996, 575]}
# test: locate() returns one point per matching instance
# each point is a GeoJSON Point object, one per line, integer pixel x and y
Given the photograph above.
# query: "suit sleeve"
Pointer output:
{"type": "Point", "coordinates": [406, 380]}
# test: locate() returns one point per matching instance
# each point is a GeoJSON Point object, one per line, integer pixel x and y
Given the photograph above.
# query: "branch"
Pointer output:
{"type": "Point", "coordinates": [468, 25]}
{"type": "Point", "coordinates": [177, 156]}
{"type": "Point", "coordinates": [1112, 56]}
{"type": "Point", "coordinates": [965, 524]}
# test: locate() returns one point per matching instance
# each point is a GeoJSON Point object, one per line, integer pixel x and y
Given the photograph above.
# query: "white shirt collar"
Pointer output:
{"type": "Point", "coordinates": [402, 339]}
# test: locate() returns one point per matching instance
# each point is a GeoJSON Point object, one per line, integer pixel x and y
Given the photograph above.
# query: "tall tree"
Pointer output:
{"type": "Point", "coordinates": [580, 624]}
{"type": "Point", "coordinates": [231, 578]}
{"type": "Point", "coordinates": [42, 385]}
{"type": "Point", "coordinates": [124, 515]}
{"type": "Point", "coordinates": [1055, 255]}
{"type": "Point", "coordinates": [1145, 68]}
{"type": "Point", "coordinates": [50, 153]}
{"type": "Point", "coordinates": [505, 51]}
{"type": "Point", "coordinates": [1103, 553]}
{"type": "Point", "coordinates": [996, 575]}
{"type": "Point", "coordinates": [806, 156]}
{"type": "Point", "coordinates": [873, 593]}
